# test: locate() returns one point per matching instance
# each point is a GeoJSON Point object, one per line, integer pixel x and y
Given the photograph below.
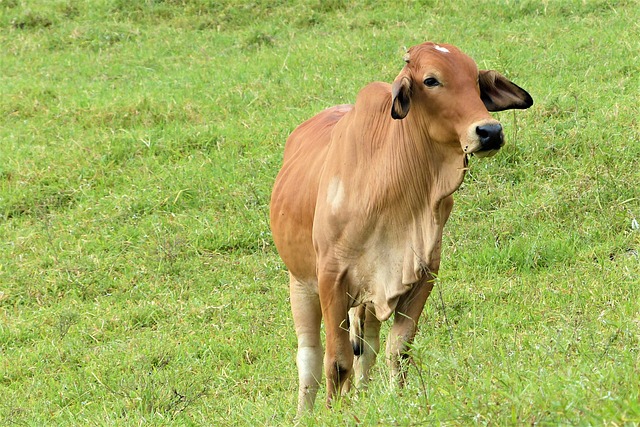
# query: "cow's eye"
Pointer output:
{"type": "Point", "coordinates": [431, 82]}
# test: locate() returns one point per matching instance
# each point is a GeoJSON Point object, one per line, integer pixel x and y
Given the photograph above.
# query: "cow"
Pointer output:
{"type": "Point", "coordinates": [358, 208]}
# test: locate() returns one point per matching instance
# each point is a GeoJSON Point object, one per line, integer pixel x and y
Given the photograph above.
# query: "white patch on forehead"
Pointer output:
{"type": "Point", "coordinates": [335, 194]}
{"type": "Point", "coordinates": [442, 49]}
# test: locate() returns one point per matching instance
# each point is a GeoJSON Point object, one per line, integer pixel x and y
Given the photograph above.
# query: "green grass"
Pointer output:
{"type": "Point", "coordinates": [138, 280]}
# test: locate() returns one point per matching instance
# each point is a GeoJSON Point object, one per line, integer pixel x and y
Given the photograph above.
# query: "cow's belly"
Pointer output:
{"type": "Point", "coordinates": [292, 222]}
{"type": "Point", "coordinates": [295, 191]}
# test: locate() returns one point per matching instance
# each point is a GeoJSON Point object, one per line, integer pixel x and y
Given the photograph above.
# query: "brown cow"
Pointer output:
{"type": "Point", "coordinates": [358, 208]}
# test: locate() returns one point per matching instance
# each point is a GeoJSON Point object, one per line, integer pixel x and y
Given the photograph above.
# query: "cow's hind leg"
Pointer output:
{"type": "Point", "coordinates": [365, 338]}
{"type": "Point", "coordinates": [305, 305]}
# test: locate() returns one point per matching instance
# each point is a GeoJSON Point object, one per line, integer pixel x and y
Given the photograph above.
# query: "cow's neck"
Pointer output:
{"type": "Point", "coordinates": [418, 172]}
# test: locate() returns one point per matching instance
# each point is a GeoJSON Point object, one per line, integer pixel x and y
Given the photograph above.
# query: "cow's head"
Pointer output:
{"type": "Point", "coordinates": [451, 98]}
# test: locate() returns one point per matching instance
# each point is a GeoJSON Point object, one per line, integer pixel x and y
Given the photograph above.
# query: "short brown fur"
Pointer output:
{"type": "Point", "coordinates": [359, 206]}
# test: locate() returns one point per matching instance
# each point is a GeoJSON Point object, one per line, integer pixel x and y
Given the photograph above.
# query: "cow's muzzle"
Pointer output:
{"type": "Point", "coordinates": [489, 139]}
{"type": "Point", "coordinates": [484, 138]}
{"type": "Point", "coordinates": [490, 136]}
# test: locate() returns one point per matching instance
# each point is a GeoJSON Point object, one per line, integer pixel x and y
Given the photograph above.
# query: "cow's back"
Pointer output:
{"type": "Point", "coordinates": [295, 191]}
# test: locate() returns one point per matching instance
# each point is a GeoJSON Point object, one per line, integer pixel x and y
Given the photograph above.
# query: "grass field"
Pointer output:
{"type": "Point", "coordinates": [139, 140]}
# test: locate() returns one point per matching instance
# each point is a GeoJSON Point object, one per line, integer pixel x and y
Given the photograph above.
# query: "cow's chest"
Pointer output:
{"type": "Point", "coordinates": [384, 260]}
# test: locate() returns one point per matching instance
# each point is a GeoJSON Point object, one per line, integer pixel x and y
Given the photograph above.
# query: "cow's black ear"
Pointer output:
{"type": "Point", "coordinates": [498, 93]}
{"type": "Point", "coordinates": [401, 97]}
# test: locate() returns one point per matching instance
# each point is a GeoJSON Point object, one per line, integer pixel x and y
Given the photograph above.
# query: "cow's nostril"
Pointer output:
{"type": "Point", "coordinates": [490, 136]}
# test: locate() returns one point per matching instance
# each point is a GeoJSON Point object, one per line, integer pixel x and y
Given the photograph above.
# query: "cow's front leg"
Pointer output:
{"type": "Point", "coordinates": [338, 357]}
{"type": "Point", "coordinates": [405, 323]}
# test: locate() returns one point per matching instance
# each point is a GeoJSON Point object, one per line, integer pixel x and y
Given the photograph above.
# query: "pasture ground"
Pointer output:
{"type": "Point", "coordinates": [139, 140]}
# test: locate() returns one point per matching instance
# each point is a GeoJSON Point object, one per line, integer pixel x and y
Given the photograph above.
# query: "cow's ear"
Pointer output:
{"type": "Point", "coordinates": [498, 93]}
{"type": "Point", "coordinates": [401, 96]}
